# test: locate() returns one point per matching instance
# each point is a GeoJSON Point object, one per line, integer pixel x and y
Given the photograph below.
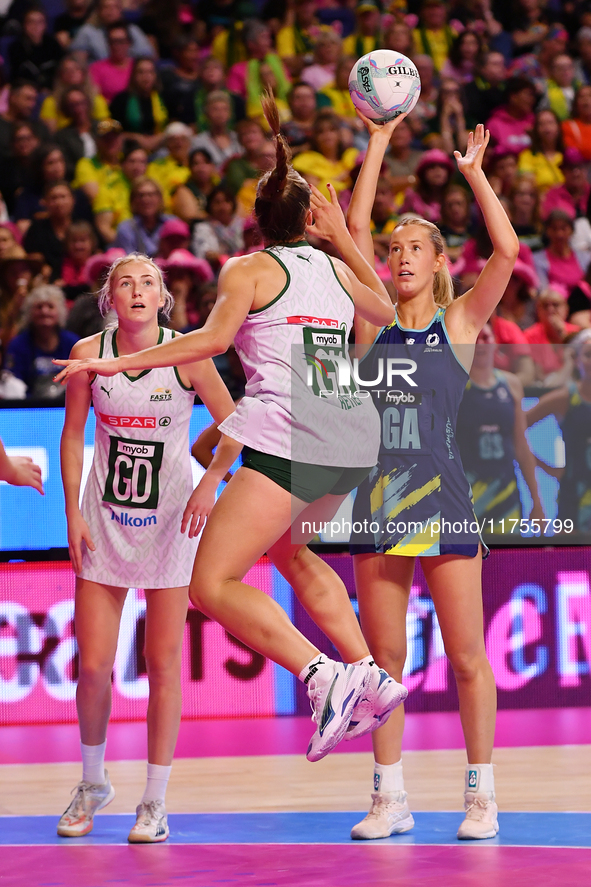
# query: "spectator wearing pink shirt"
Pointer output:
{"type": "Point", "coordinates": [573, 195]}
{"type": "Point", "coordinates": [510, 124]}
{"type": "Point", "coordinates": [513, 352]}
{"type": "Point", "coordinates": [518, 301]}
{"type": "Point", "coordinates": [322, 71]}
{"type": "Point", "coordinates": [433, 175]}
{"type": "Point", "coordinates": [552, 330]}
{"type": "Point", "coordinates": [559, 263]}
{"type": "Point", "coordinates": [112, 74]}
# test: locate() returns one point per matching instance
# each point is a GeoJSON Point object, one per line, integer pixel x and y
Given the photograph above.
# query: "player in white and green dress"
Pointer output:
{"type": "Point", "coordinates": [127, 533]}
{"type": "Point", "coordinates": [285, 308]}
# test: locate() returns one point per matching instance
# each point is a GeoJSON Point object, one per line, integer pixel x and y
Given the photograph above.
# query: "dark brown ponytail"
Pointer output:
{"type": "Point", "coordinates": [283, 196]}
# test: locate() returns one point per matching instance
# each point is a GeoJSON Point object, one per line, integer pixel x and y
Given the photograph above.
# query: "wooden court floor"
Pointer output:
{"type": "Point", "coordinates": [550, 778]}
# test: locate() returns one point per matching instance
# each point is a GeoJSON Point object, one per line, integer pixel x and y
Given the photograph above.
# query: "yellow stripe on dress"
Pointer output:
{"type": "Point", "coordinates": [420, 543]}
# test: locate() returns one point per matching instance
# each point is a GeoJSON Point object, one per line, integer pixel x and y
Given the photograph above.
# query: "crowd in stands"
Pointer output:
{"type": "Point", "coordinates": [136, 125]}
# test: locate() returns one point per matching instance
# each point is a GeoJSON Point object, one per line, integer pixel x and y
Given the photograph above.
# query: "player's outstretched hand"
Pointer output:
{"type": "Point", "coordinates": [21, 471]}
{"type": "Point", "coordinates": [471, 161]}
{"type": "Point", "coordinates": [199, 506]}
{"type": "Point", "coordinates": [101, 366]}
{"type": "Point", "coordinates": [380, 129]}
{"type": "Point", "coordinates": [329, 220]}
{"type": "Point", "coordinates": [78, 532]}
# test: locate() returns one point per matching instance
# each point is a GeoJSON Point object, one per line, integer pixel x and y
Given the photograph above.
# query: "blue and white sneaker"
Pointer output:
{"type": "Point", "coordinates": [332, 706]}
{"type": "Point", "coordinates": [382, 695]}
{"type": "Point", "coordinates": [151, 825]}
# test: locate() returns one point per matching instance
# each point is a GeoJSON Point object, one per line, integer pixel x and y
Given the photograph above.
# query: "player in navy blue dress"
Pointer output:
{"type": "Point", "coordinates": [571, 404]}
{"type": "Point", "coordinates": [418, 496]}
{"type": "Point", "coordinates": [491, 434]}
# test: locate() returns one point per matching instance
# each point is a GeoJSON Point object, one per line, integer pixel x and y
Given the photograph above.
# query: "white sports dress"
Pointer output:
{"type": "Point", "coordinates": [140, 478]}
{"type": "Point", "coordinates": [293, 351]}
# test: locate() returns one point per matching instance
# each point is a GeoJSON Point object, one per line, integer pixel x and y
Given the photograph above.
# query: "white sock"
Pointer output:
{"type": "Point", "coordinates": [480, 778]}
{"type": "Point", "coordinates": [158, 776]}
{"type": "Point", "coordinates": [367, 660]}
{"type": "Point", "coordinates": [93, 763]}
{"type": "Point", "coordinates": [388, 777]}
{"type": "Point", "coordinates": [321, 668]}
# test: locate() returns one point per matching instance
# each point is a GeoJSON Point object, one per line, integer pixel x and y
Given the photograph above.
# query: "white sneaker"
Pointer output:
{"type": "Point", "coordinates": [332, 705]}
{"type": "Point", "coordinates": [481, 817]}
{"type": "Point", "coordinates": [382, 695]}
{"type": "Point", "coordinates": [78, 818]}
{"type": "Point", "coordinates": [151, 824]}
{"type": "Point", "coordinates": [388, 815]}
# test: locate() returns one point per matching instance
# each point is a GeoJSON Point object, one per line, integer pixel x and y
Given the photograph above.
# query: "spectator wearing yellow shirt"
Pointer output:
{"type": "Point", "coordinates": [367, 35]}
{"type": "Point", "coordinates": [295, 41]}
{"type": "Point", "coordinates": [248, 190]}
{"type": "Point", "coordinates": [543, 159]}
{"type": "Point", "coordinates": [329, 160]}
{"type": "Point", "coordinates": [103, 169]}
{"type": "Point", "coordinates": [112, 204]}
{"type": "Point", "coordinates": [172, 170]}
{"type": "Point", "coordinates": [70, 73]}
{"type": "Point", "coordinates": [228, 45]}
{"type": "Point", "coordinates": [434, 37]}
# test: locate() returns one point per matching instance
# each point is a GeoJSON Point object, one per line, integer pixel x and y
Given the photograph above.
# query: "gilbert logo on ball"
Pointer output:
{"type": "Point", "coordinates": [384, 84]}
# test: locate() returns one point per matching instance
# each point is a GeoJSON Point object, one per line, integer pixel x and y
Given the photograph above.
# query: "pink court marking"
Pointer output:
{"type": "Point", "coordinates": [318, 866]}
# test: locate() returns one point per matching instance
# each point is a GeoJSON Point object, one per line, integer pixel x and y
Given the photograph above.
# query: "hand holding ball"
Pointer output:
{"type": "Point", "coordinates": [384, 84]}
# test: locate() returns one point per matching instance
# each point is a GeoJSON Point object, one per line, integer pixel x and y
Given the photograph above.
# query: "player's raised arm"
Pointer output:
{"type": "Point", "coordinates": [359, 213]}
{"type": "Point", "coordinates": [364, 192]}
{"type": "Point", "coordinates": [371, 298]}
{"type": "Point", "coordinates": [235, 296]}
{"type": "Point", "coordinates": [468, 314]}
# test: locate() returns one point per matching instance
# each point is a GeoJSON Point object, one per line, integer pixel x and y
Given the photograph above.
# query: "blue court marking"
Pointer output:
{"type": "Point", "coordinates": [516, 829]}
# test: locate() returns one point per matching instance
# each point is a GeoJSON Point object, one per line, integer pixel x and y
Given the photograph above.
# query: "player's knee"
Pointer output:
{"type": "Point", "coordinates": [163, 666]}
{"type": "Point", "coordinates": [287, 559]}
{"type": "Point", "coordinates": [467, 665]}
{"type": "Point", "coordinates": [203, 593]}
{"type": "Point", "coordinates": [94, 672]}
{"type": "Point", "coordinates": [391, 660]}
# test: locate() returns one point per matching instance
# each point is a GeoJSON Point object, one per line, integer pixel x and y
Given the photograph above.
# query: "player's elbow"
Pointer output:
{"type": "Point", "coordinates": [356, 225]}
{"type": "Point", "coordinates": [220, 342]}
{"type": "Point", "coordinates": [509, 247]}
